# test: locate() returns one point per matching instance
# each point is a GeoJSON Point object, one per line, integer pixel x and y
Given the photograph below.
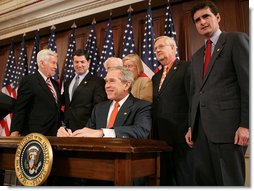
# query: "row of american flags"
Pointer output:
{"type": "Point", "coordinates": [15, 72]}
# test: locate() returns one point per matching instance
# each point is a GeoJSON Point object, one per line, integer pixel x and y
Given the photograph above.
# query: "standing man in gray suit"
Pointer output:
{"type": "Point", "coordinates": [219, 120]}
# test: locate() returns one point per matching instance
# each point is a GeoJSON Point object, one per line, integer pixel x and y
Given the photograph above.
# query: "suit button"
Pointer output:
{"type": "Point", "coordinates": [200, 92]}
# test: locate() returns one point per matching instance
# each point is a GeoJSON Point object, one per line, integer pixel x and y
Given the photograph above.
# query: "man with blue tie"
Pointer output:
{"type": "Point", "coordinates": [81, 92]}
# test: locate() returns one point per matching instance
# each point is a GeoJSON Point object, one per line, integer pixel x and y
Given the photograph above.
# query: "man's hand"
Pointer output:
{"type": "Point", "coordinates": [242, 136]}
{"type": "Point", "coordinates": [64, 132]}
{"type": "Point", "coordinates": [15, 134]}
{"type": "Point", "coordinates": [87, 132]}
{"type": "Point", "coordinates": [188, 138]}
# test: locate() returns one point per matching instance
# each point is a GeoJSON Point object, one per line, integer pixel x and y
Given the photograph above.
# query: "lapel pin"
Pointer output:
{"type": "Point", "coordinates": [175, 68]}
{"type": "Point", "coordinates": [218, 50]}
{"type": "Point", "coordinates": [85, 82]}
{"type": "Point", "coordinates": [125, 113]}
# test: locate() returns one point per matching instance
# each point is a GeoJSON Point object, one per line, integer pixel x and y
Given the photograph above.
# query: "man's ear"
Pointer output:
{"type": "Point", "coordinates": [127, 86]}
{"type": "Point", "coordinates": [218, 17]}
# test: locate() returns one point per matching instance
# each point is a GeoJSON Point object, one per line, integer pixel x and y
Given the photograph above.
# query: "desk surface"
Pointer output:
{"type": "Point", "coordinates": [96, 144]}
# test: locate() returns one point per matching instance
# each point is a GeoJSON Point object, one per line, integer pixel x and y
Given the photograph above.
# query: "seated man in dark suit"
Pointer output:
{"type": "Point", "coordinates": [6, 105]}
{"type": "Point", "coordinates": [130, 119]}
{"type": "Point", "coordinates": [133, 118]}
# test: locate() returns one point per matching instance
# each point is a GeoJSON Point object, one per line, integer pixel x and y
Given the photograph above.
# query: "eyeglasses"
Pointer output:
{"type": "Point", "coordinates": [161, 46]}
{"type": "Point", "coordinates": [129, 66]}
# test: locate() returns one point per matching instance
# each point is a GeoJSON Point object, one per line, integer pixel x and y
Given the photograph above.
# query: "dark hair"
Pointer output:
{"type": "Point", "coordinates": [205, 4]}
{"type": "Point", "coordinates": [81, 52]}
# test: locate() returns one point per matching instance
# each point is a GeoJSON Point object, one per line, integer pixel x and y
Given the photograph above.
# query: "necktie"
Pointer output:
{"type": "Point", "coordinates": [113, 115]}
{"type": "Point", "coordinates": [75, 85]}
{"type": "Point", "coordinates": [207, 55]}
{"type": "Point", "coordinates": [164, 74]}
{"type": "Point", "coordinates": [51, 88]}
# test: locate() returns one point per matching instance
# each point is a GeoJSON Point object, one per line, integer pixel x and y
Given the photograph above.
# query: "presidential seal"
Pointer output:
{"type": "Point", "coordinates": [33, 160]}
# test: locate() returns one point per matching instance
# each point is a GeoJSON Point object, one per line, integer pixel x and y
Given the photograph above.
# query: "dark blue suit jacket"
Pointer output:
{"type": "Point", "coordinates": [133, 119]}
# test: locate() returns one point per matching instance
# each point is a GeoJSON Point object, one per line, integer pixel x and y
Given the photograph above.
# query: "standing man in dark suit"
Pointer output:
{"type": "Point", "coordinates": [88, 92]}
{"type": "Point", "coordinates": [170, 113]}
{"type": "Point", "coordinates": [133, 119]}
{"type": "Point", "coordinates": [219, 123]}
{"type": "Point", "coordinates": [37, 107]}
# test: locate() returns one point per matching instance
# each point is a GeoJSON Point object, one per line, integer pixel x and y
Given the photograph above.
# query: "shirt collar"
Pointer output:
{"type": "Point", "coordinates": [121, 102]}
{"type": "Point", "coordinates": [44, 77]}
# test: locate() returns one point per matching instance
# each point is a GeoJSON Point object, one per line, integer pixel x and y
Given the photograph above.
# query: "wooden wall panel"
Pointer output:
{"type": "Point", "coordinates": [237, 19]}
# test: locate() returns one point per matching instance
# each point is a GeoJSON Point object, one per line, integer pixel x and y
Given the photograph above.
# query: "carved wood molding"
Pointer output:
{"type": "Point", "coordinates": [30, 15]}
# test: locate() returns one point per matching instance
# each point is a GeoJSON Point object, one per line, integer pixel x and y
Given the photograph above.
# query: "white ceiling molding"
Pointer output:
{"type": "Point", "coordinates": [29, 15]}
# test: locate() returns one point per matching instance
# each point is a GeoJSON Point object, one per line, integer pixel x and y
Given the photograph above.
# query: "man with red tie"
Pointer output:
{"type": "Point", "coordinates": [37, 108]}
{"type": "Point", "coordinates": [123, 116]}
{"type": "Point", "coordinates": [219, 118]}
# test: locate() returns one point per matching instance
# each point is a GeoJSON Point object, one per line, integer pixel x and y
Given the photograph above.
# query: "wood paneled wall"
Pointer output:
{"type": "Point", "coordinates": [237, 19]}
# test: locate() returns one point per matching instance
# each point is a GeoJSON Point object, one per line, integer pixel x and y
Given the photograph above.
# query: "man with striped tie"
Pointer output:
{"type": "Point", "coordinates": [37, 107]}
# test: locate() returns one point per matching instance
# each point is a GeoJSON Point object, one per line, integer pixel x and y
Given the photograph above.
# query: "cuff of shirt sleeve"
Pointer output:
{"type": "Point", "coordinates": [109, 133]}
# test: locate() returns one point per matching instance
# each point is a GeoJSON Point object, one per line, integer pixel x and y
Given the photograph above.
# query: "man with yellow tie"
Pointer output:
{"type": "Point", "coordinates": [170, 112]}
{"type": "Point", "coordinates": [123, 116]}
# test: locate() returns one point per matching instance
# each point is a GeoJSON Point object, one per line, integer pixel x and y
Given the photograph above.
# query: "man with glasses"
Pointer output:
{"type": "Point", "coordinates": [170, 113]}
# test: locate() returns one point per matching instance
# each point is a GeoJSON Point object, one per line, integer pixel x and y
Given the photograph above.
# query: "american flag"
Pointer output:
{"type": "Point", "coordinates": [33, 66]}
{"type": "Point", "coordinates": [128, 39]}
{"type": "Point", "coordinates": [169, 26]}
{"type": "Point", "coordinates": [92, 50]}
{"type": "Point", "coordinates": [108, 49]}
{"type": "Point", "coordinates": [52, 46]}
{"type": "Point", "coordinates": [22, 67]}
{"type": "Point", "coordinates": [7, 89]}
{"type": "Point", "coordinates": [148, 57]}
{"type": "Point", "coordinates": [69, 70]}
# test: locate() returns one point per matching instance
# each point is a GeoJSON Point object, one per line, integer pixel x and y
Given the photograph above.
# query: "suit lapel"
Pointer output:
{"type": "Point", "coordinates": [66, 90]}
{"type": "Point", "coordinates": [217, 50]}
{"type": "Point", "coordinates": [83, 83]}
{"type": "Point", "coordinates": [104, 113]}
{"type": "Point", "coordinates": [45, 87]}
{"type": "Point", "coordinates": [157, 82]}
{"type": "Point", "coordinates": [170, 75]}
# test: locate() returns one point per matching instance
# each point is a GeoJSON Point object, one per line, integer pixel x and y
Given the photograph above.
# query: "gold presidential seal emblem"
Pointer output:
{"type": "Point", "coordinates": [33, 160]}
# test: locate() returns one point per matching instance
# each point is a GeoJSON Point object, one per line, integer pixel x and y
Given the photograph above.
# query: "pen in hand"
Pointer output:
{"type": "Point", "coordinates": [66, 129]}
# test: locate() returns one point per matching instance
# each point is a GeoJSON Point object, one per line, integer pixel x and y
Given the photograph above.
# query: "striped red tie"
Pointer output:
{"type": "Point", "coordinates": [51, 88]}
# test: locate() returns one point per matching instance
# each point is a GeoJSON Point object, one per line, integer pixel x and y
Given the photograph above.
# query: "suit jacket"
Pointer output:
{"type": "Point", "coordinates": [133, 119]}
{"type": "Point", "coordinates": [223, 94]}
{"type": "Point", "coordinates": [171, 104]}
{"type": "Point", "coordinates": [90, 91]}
{"type": "Point", "coordinates": [7, 104]}
{"type": "Point", "coordinates": [36, 109]}
{"type": "Point", "coordinates": [143, 89]}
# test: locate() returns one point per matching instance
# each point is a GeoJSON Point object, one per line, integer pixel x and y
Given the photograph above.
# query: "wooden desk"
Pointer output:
{"type": "Point", "coordinates": [113, 159]}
